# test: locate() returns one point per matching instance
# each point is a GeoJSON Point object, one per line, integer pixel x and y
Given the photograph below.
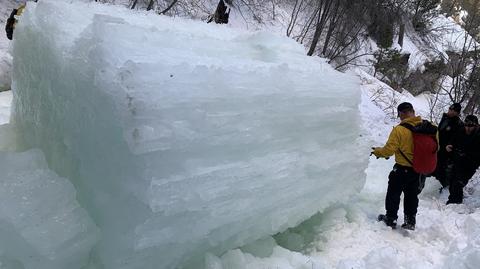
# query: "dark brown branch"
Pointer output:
{"type": "Point", "coordinates": [169, 7]}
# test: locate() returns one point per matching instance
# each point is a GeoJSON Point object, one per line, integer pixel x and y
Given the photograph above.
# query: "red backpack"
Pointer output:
{"type": "Point", "coordinates": [425, 147]}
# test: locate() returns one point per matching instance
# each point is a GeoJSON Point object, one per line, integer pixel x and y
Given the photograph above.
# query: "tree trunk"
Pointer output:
{"type": "Point", "coordinates": [401, 34]}
{"type": "Point", "coordinates": [134, 4]}
{"type": "Point", "coordinates": [293, 18]}
{"type": "Point", "coordinates": [150, 5]}
{"type": "Point", "coordinates": [169, 7]}
{"type": "Point", "coordinates": [322, 16]}
{"type": "Point", "coordinates": [306, 28]}
{"type": "Point", "coordinates": [331, 27]}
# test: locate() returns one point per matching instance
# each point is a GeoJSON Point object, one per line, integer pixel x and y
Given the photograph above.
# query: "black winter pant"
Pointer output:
{"type": "Point", "coordinates": [402, 179]}
{"type": "Point", "coordinates": [462, 175]}
{"type": "Point", "coordinates": [456, 191]}
{"type": "Point", "coordinates": [443, 170]}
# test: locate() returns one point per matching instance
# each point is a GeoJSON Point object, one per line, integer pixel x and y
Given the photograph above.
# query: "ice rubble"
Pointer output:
{"type": "Point", "coordinates": [5, 103]}
{"type": "Point", "coordinates": [42, 226]}
{"type": "Point", "coordinates": [182, 138]}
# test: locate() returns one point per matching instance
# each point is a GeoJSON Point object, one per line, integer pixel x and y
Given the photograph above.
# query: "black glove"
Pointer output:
{"type": "Point", "coordinates": [373, 150]}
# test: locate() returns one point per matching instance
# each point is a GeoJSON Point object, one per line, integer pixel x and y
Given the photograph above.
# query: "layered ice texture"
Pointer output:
{"type": "Point", "coordinates": [180, 137]}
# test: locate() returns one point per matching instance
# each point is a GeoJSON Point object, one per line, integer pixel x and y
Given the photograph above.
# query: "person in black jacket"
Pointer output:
{"type": "Point", "coordinates": [465, 146]}
{"type": "Point", "coordinates": [448, 126]}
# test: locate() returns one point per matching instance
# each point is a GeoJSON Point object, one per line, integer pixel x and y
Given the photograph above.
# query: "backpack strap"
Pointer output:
{"type": "Point", "coordinates": [409, 127]}
{"type": "Point", "coordinates": [408, 160]}
{"type": "Point", "coordinates": [425, 127]}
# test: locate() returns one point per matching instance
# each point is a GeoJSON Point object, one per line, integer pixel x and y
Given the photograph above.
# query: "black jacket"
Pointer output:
{"type": "Point", "coordinates": [10, 24]}
{"type": "Point", "coordinates": [447, 128]}
{"type": "Point", "coordinates": [466, 152]}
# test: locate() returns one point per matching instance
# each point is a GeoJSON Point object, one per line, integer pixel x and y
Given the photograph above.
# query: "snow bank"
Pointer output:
{"type": "Point", "coordinates": [182, 137]}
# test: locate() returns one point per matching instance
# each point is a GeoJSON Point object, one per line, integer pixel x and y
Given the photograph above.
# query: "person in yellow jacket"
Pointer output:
{"type": "Point", "coordinates": [12, 21]}
{"type": "Point", "coordinates": [402, 178]}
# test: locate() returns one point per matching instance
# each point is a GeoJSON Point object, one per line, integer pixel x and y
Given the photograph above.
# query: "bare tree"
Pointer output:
{"type": "Point", "coordinates": [150, 4]}
{"type": "Point", "coordinates": [169, 7]}
{"type": "Point", "coordinates": [134, 4]}
{"type": "Point", "coordinates": [323, 7]}
{"type": "Point", "coordinates": [293, 19]}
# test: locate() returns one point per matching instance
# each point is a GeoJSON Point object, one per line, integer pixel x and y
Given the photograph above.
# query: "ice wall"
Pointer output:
{"type": "Point", "coordinates": [182, 137]}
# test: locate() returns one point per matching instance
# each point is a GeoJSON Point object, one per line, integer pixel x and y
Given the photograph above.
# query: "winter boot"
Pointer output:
{"type": "Point", "coordinates": [409, 223]}
{"type": "Point", "coordinates": [388, 221]}
{"type": "Point", "coordinates": [453, 202]}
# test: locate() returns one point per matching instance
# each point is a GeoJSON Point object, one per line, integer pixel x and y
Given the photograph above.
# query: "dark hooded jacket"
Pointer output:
{"type": "Point", "coordinates": [447, 128]}
{"type": "Point", "coordinates": [466, 153]}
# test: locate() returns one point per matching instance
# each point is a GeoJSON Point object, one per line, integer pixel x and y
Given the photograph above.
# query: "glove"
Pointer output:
{"type": "Point", "coordinates": [372, 153]}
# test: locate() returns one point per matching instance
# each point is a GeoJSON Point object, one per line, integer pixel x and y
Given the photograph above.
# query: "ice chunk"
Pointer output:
{"type": "Point", "coordinates": [42, 225]}
{"type": "Point", "coordinates": [7, 137]}
{"type": "Point", "coordinates": [5, 66]}
{"type": "Point", "coordinates": [5, 103]}
{"type": "Point", "coordinates": [182, 137]}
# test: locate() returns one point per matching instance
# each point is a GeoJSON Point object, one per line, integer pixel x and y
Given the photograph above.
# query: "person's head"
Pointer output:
{"type": "Point", "coordinates": [454, 110]}
{"type": "Point", "coordinates": [471, 123]}
{"type": "Point", "coordinates": [405, 110]}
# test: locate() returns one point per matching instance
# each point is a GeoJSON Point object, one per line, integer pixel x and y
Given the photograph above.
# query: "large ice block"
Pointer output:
{"type": "Point", "coordinates": [182, 137]}
{"type": "Point", "coordinates": [42, 225]}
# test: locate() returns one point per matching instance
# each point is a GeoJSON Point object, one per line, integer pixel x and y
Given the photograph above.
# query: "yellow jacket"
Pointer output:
{"type": "Point", "coordinates": [400, 138]}
{"type": "Point", "coordinates": [20, 10]}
